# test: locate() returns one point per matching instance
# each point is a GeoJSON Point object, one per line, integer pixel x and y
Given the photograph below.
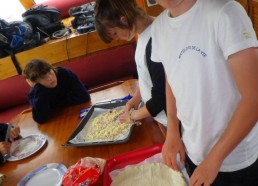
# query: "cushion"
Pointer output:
{"type": "Point", "coordinates": [105, 66]}
{"type": "Point", "coordinates": [13, 91]}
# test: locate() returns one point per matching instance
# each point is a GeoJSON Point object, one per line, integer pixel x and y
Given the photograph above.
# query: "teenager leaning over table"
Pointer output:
{"type": "Point", "coordinates": [52, 87]}
{"type": "Point", "coordinates": [209, 52]}
{"type": "Point", "coordinates": [123, 19]}
{"type": "Point", "coordinates": [8, 134]}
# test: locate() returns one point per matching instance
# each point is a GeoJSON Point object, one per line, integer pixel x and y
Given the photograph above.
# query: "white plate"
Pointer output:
{"type": "Point", "coordinates": [25, 147]}
{"type": "Point", "coordinates": [50, 174]}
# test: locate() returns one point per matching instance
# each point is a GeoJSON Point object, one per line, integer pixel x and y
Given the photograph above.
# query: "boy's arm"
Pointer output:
{"type": "Point", "coordinates": [244, 67]}
{"type": "Point", "coordinates": [2, 158]}
{"type": "Point", "coordinates": [41, 110]}
{"type": "Point", "coordinates": [3, 131]}
{"type": "Point", "coordinates": [173, 143]}
{"type": "Point", "coordinates": [14, 133]}
{"type": "Point", "coordinates": [157, 102]}
{"type": "Point", "coordinates": [79, 92]}
{"type": "Point", "coordinates": [4, 150]}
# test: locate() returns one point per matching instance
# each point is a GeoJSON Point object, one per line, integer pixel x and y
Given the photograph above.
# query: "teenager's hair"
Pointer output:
{"type": "Point", "coordinates": [109, 12]}
{"type": "Point", "coordinates": [36, 69]}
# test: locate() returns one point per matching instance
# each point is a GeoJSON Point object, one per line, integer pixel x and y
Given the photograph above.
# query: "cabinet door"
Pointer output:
{"type": "Point", "coordinates": [150, 6]}
{"type": "Point", "coordinates": [253, 13]}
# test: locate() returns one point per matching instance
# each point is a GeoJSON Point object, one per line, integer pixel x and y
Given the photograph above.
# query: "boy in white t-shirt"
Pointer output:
{"type": "Point", "coordinates": [209, 52]}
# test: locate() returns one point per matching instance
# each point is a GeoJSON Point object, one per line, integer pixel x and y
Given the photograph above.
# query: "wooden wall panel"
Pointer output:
{"type": "Point", "coordinates": [253, 13]}
{"type": "Point", "coordinates": [154, 10]}
{"type": "Point", "coordinates": [7, 69]}
{"type": "Point", "coordinates": [77, 46]}
{"type": "Point", "coordinates": [27, 3]}
{"type": "Point", "coordinates": [59, 50]}
{"type": "Point", "coordinates": [95, 44]}
{"type": "Point", "coordinates": [53, 52]}
{"type": "Point", "coordinates": [244, 3]}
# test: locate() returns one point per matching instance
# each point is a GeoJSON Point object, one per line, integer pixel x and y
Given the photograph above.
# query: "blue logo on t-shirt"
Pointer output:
{"type": "Point", "coordinates": [192, 48]}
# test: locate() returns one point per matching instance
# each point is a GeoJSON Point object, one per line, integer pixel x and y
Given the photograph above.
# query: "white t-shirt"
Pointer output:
{"type": "Point", "coordinates": [144, 79]}
{"type": "Point", "coordinates": [194, 48]}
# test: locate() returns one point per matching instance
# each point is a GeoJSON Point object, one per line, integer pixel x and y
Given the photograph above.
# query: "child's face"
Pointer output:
{"type": "Point", "coordinates": [49, 80]}
{"type": "Point", "coordinates": [121, 34]}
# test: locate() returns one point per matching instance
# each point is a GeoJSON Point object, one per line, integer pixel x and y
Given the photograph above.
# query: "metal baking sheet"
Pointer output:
{"type": "Point", "coordinates": [93, 110]}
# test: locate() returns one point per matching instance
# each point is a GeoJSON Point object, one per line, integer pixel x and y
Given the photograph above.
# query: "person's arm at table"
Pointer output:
{"type": "Point", "coordinates": [131, 109]}
{"type": "Point", "coordinates": [173, 143]}
{"type": "Point", "coordinates": [41, 110]}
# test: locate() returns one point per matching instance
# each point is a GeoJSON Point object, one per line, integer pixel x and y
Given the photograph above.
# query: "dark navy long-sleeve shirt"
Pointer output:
{"type": "Point", "coordinates": [3, 136]}
{"type": "Point", "coordinates": [69, 91]}
{"type": "Point", "coordinates": [157, 103]}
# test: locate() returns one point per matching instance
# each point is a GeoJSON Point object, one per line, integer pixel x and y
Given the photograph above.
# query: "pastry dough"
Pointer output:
{"type": "Point", "coordinates": [151, 174]}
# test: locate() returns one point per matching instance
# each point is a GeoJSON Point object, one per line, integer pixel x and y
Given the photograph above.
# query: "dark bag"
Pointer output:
{"type": "Point", "coordinates": [83, 21]}
{"type": "Point", "coordinates": [45, 19]}
{"type": "Point", "coordinates": [16, 36]}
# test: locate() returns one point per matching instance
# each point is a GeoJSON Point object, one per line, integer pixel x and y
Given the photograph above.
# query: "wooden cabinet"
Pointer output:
{"type": "Point", "coordinates": [251, 7]}
{"type": "Point", "coordinates": [244, 3]}
{"type": "Point", "coordinates": [253, 13]}
{"type": "Point", "coordinates": [154, 10]}
{"type": "Point", "coordinates": [58, 50]}
{"type": "Point", "coordinates": [27, 3]}
{"type": "Point", "coordinates": [63, 50]}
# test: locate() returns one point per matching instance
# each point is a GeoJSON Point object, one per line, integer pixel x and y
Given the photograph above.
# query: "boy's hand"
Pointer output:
{"type": "Point", "coordinates": [5, 147]}
{"type": "Point", "coordinates": [15, 132]}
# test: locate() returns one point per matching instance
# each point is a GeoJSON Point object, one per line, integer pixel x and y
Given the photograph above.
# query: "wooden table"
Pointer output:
{"type": "Point", "coordinates": [61, 126]}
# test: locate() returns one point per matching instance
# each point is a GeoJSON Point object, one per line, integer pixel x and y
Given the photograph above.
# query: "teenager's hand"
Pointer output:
{"type": "Point", "coordinates": [125, 118]}
{"type": "Point", "coordinates": [205, 173]}
{"type": "Point", "coordinates": [131, 104]}
{"type": "Point", "coordinates": [15, 132]}
{"type": "Point", "coordinates": [5, 147]}
{"type": "Point", "coordinates": [170, 149]}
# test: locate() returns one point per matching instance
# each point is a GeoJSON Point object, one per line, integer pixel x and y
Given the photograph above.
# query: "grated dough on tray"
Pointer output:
{"type": "Point", "coordinates": [106, 126]}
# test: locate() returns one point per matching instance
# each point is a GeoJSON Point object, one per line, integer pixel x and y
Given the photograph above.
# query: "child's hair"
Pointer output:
{"type": "Point", "coordinates": [36, 69]}
{"type": "Point", "coordinates": [109, 12]}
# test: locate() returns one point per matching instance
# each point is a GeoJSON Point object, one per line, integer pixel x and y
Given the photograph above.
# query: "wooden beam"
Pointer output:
{"type": "Point", "coordinates": [27, 4]}
{"type": "Point", "coordinates": [253, 13]}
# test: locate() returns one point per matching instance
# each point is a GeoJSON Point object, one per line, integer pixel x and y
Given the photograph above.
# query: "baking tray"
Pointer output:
{"type": "Point", "coordinates": [84, 121]}
{"type": "Point", "coordinates": [129, 158]}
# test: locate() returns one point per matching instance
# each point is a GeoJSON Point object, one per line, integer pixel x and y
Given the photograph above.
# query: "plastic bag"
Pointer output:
{"type": "Point", "coordinates": [84, 173]}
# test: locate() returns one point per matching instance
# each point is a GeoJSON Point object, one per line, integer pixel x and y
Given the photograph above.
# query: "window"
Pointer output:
{"type": "Point", "coordinates": [11, 10]}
